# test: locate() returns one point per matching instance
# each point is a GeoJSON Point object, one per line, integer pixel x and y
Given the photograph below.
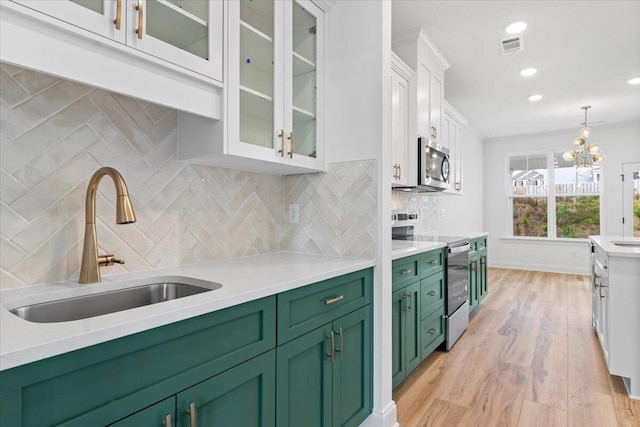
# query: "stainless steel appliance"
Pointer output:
{"type": "Point", "coordinates": [456, 277]}
{"type": "Point", "coordinates": [433, 166]}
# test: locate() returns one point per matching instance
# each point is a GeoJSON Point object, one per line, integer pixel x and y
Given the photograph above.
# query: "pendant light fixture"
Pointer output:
{"type": "Point", "coordinates": [585, 156]}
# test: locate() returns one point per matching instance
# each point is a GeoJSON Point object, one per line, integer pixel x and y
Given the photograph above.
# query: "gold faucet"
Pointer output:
{"type": "Point", "coordinates": [91, 262]}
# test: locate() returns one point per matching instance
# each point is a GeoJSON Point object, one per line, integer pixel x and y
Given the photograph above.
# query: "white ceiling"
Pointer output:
{"type": "Point", "coordinates": [585, 51]}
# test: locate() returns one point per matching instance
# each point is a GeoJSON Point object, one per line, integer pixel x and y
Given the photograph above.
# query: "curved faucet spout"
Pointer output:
{"type": "Point", "coordinates": [91, 262]}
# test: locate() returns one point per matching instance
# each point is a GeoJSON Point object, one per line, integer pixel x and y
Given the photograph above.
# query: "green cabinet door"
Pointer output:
{"type": "Point", "coordinates": [241, 396]}
{"type": "Point", "coordinates": [352, 368]}
{"type": "Point", "coordinates": [406, 334]}
{"type": "Point", "coordinates": [398, 334]}
{"type": "Point", "coordinates": [304, 376]}
{"type": "Point", "coordinates": [158, 415]}
{"type": "Point", "coordinates": [482, 276]}
{"type": "Point", "coordinates": [473, 281]}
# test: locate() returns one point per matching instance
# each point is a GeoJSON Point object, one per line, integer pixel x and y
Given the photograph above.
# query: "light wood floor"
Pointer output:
{"type": "Point", "coordinates": [529, 358]}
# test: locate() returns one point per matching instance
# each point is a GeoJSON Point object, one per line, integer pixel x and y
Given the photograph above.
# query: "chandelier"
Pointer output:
{"type": "Point", "coordinates": [585, 156]}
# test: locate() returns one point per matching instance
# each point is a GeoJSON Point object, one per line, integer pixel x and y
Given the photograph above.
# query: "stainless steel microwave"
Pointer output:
{"type": "Point", "coordinates": [433, 166]}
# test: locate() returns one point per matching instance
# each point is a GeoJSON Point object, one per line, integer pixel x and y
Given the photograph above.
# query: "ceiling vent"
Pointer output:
{"type": "Point", "coordinates": [511, 45]}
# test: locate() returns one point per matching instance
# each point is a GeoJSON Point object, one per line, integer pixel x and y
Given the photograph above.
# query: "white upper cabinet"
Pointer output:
{"type": "Point", "coordinates": [164, 51]}
{"type": "Point", "coordinates": [273, 92]}
{"type": "Point", "coordinates": [452, 131]}
{"type": "Point", "coordinates": [427, 87]}
{"type": "Point", "coordinates": [403, 173]}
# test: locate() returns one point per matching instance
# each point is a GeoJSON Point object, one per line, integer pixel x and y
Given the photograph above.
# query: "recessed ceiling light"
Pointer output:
{"type": "Point", "coordinates": [535, 98]}
{"type": "Point", "coordinates": [516, 27]}
{"type": "Point", "coordinates": [634, 81]}
{"type": "Point", "coordinates": [528, 72]}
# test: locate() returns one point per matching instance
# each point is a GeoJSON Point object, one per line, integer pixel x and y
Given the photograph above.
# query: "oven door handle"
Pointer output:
{"type": "Point", "coordinates": [458, 249]}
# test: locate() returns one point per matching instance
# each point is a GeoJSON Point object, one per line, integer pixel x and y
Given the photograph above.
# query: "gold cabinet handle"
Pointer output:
{"type": "Point", "coordinates": [191, 410]}
{"type": "Point", "coordinates": [434, 262]}
{"type": "Point", "coordinates": [118, 19]}
{"type": "Point", "coordinates": [167, 420]}
{"type": "Point", "coordinates": [339, 350]}
{"type": "Point", "coordinates": [431, 293]}
{"type": "Point", "coordinates": [290, 138]}
{"type": "Point", "coordinates": [395, 173]}
{"type": "Point", "coordinates": [332, 355]}
{"type": "Point", "coordinates": [281, 136]}
{"type": "Point", "coordinates": [435, 131]}
{"type": "Point", "coordinates": [483, 259]}
{"type": "Point", "coordinates": [334, 299]}
{"type": "Point", "coordinates": [140, 12]}
{"type": "Point", "coordinates": [405, 272]}
{"type": "Point", "coordinates": [408, 296]}
{"type": "Point", "coordinates": [432, 331]}
{"type": "Point", "coordinates": [399, 171]}
{"type": "Point", "coordinates": [474, 265]}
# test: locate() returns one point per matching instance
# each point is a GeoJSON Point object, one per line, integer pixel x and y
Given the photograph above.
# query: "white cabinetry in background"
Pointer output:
{"type": "Point", "coordinates": [404, 145]}
{"type": "Point", "coordinates": [453, 127]}
{"type": "Point", "coordinates": [164, 51]}
{"type": "Point", "coordinates": [615, 313]}
{"type": "Point", "coordinates": [427, 86]}
{"type": "Point", "coordinates": [273, 92]}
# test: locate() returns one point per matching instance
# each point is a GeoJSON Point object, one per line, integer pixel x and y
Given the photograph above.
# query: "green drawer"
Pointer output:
{"type": "Point", "coordinates": [431, 294]}
{"type": "Point", "coordinates": [404, 271]}
{"type": "Point", "coordinates": [431, 262]}
{"type": "Point", "coordinates": [432, 331]}
{"type": "Point", "coordinates": [305, 309]}
{"type": "Point", "coordinates": [481, 243]}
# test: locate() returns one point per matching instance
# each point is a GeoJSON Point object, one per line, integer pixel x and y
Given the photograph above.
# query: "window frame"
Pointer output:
{"type": "Point", "coordinates": [551, 195]}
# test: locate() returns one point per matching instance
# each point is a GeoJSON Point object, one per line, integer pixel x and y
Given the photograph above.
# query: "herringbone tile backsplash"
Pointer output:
{"type": "Point", "coordinates": [54, 134]}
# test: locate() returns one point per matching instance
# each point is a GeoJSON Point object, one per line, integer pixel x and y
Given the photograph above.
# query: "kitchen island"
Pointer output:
{"type": "Point", "coordinates": [615, 305]}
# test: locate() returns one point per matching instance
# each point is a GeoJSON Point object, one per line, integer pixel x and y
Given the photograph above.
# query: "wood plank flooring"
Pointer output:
{"type": "Point", "coordinates": [529, 358]}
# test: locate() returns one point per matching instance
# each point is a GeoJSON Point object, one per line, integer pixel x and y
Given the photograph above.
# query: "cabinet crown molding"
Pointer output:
{"type": "Point", "coordinates": [455, 114]}
{"type": "Point", "coordinates": [420, 36]}
{"type": "Point", "coordinates": [399, 66]}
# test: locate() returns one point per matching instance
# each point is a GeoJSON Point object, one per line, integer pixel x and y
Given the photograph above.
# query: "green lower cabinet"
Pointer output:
{"type": "Point", "coordinates": [432, 332]}
{"type": "Point", "coordinates": [242, 396]}
{"type": "Point", "coordinates": [482, 276]}
{"type": "Point", "coordinates": [155, 415]}
{"type": "Point", "coordinates": [406, 353]}
{"type": "Point", "coordinates": [478, 288]}
{"type": "Point", "coordinates": [473, 281]}
{"type": "Point", "coordinates": [324, 376]}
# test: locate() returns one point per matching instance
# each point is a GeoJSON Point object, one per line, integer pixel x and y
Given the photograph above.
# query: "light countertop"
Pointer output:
{"type": "Point", "coordinates": [618, 245]}
{"type": "Point", "coordinates": [243, 279]}
{"type": "Point", "coordinates": [404, 248]}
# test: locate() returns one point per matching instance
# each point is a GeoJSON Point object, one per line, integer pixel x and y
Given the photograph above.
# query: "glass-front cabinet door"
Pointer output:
{"type": "Point", "coordinates": [187, 33]}
{"type": "Point", "coordinates": [103, 17]}
{"type": "Point", "coordinates": [272, 82]}
{"type": "Point", "coordinates": [301, 110]}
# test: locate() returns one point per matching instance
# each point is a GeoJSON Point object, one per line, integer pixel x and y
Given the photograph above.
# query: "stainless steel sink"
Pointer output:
{"type": "Point", "coordinates": [83, 307]}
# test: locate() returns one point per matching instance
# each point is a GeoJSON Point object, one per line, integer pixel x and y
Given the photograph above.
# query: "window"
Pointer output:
{"type": "Point", "coordinates": [547, 198]}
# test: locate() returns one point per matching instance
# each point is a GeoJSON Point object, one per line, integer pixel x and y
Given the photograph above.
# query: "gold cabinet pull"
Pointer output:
{"type": "Point", "coordinates": [167, 420]}
{"type": "Point", "coordinates": [191, 410]}
{"type": "Point", "coordinates": [118, 19]}
{"type": "Point", "coordinates": [408, 296]}
{"type": "Point", "coordinates": [395, 173]}
{"type": "Point", "coordinates": [140, 11]}
{"type": "Point", "coordinates": [399, 171]}
{"type": "Point", "coordinates": [332, 355]}
{"type": "Point", "coordinates": [405, 272]}
{"type": "Point", "coordinates": [431, 293]}
{"type": "Point", "coordinates": [334, 299]}
{"type": "Point", "coordinates": [434, 262]}
{"type": "Point", "coordinates": [432, 331]}
{"type": "Point", "coordinates": [290, 138]}
{"type": "Point", "coordinates": [339, 350]}
{"type": "Point", "coordinates": [474, 265]}
{"type": "Point", "coordinates": [281, 136]}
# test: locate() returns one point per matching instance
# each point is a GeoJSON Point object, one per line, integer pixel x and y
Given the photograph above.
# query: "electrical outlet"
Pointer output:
{"type": "Point", "coordinates": [294, 213]}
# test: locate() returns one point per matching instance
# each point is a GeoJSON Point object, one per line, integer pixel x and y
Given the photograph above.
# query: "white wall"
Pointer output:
{"type": "Point", "coordinates": [462, 214]}
{"type": "Point", "coordinates": [620, 143]}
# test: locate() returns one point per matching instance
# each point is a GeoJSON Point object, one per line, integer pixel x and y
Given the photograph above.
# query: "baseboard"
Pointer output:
{"type": "Point", "coordinates": [386, 418]}
{"type": "Point", "coordinates": [543, 268]}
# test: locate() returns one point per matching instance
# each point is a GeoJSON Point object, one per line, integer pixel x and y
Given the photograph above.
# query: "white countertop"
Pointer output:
{"type": "Point", "coordinates": [404, 248]}
{"type": "Point", "coordinates": [243, 279]}
{"type": "Point", "coordinates": [608, 244]}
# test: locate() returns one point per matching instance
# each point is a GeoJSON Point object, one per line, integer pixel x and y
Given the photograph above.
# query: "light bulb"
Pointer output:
{"type": "Point", "coordinates": [578, 142]}
{"type": "Point", "coordinates": [569, 156]}
{"type": "Point", "coordinates": [598, 159]}
{"type": "Point", "coordinates": [584, 169]}
{"type": "Point", "coordinates": [594, 148]}
{"type": "Point", "coordinates": [585, 132]}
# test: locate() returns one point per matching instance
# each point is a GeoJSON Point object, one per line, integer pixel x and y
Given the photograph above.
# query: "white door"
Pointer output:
{"type": "Point", "coordinates": [103, 17]}
{"type": "Point", "coordinates": [631, 199]}
{"type": "Point", "coordinates": [187, 33]}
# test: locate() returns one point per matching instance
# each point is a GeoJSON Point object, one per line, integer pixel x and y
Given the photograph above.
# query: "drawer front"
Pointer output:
{"type": "Point", "coordinates": [404, 271]}
{"type": "Point", "coordinates": [432, 332]}
{"type": "Point", "coordinates": [481, 243]}
{"type": "Point", "coordinates": [431, 262]}
{"type": "Point", "coordinates": [431, 294]}
{"type": "Point", "coordinates": [304, 309]}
